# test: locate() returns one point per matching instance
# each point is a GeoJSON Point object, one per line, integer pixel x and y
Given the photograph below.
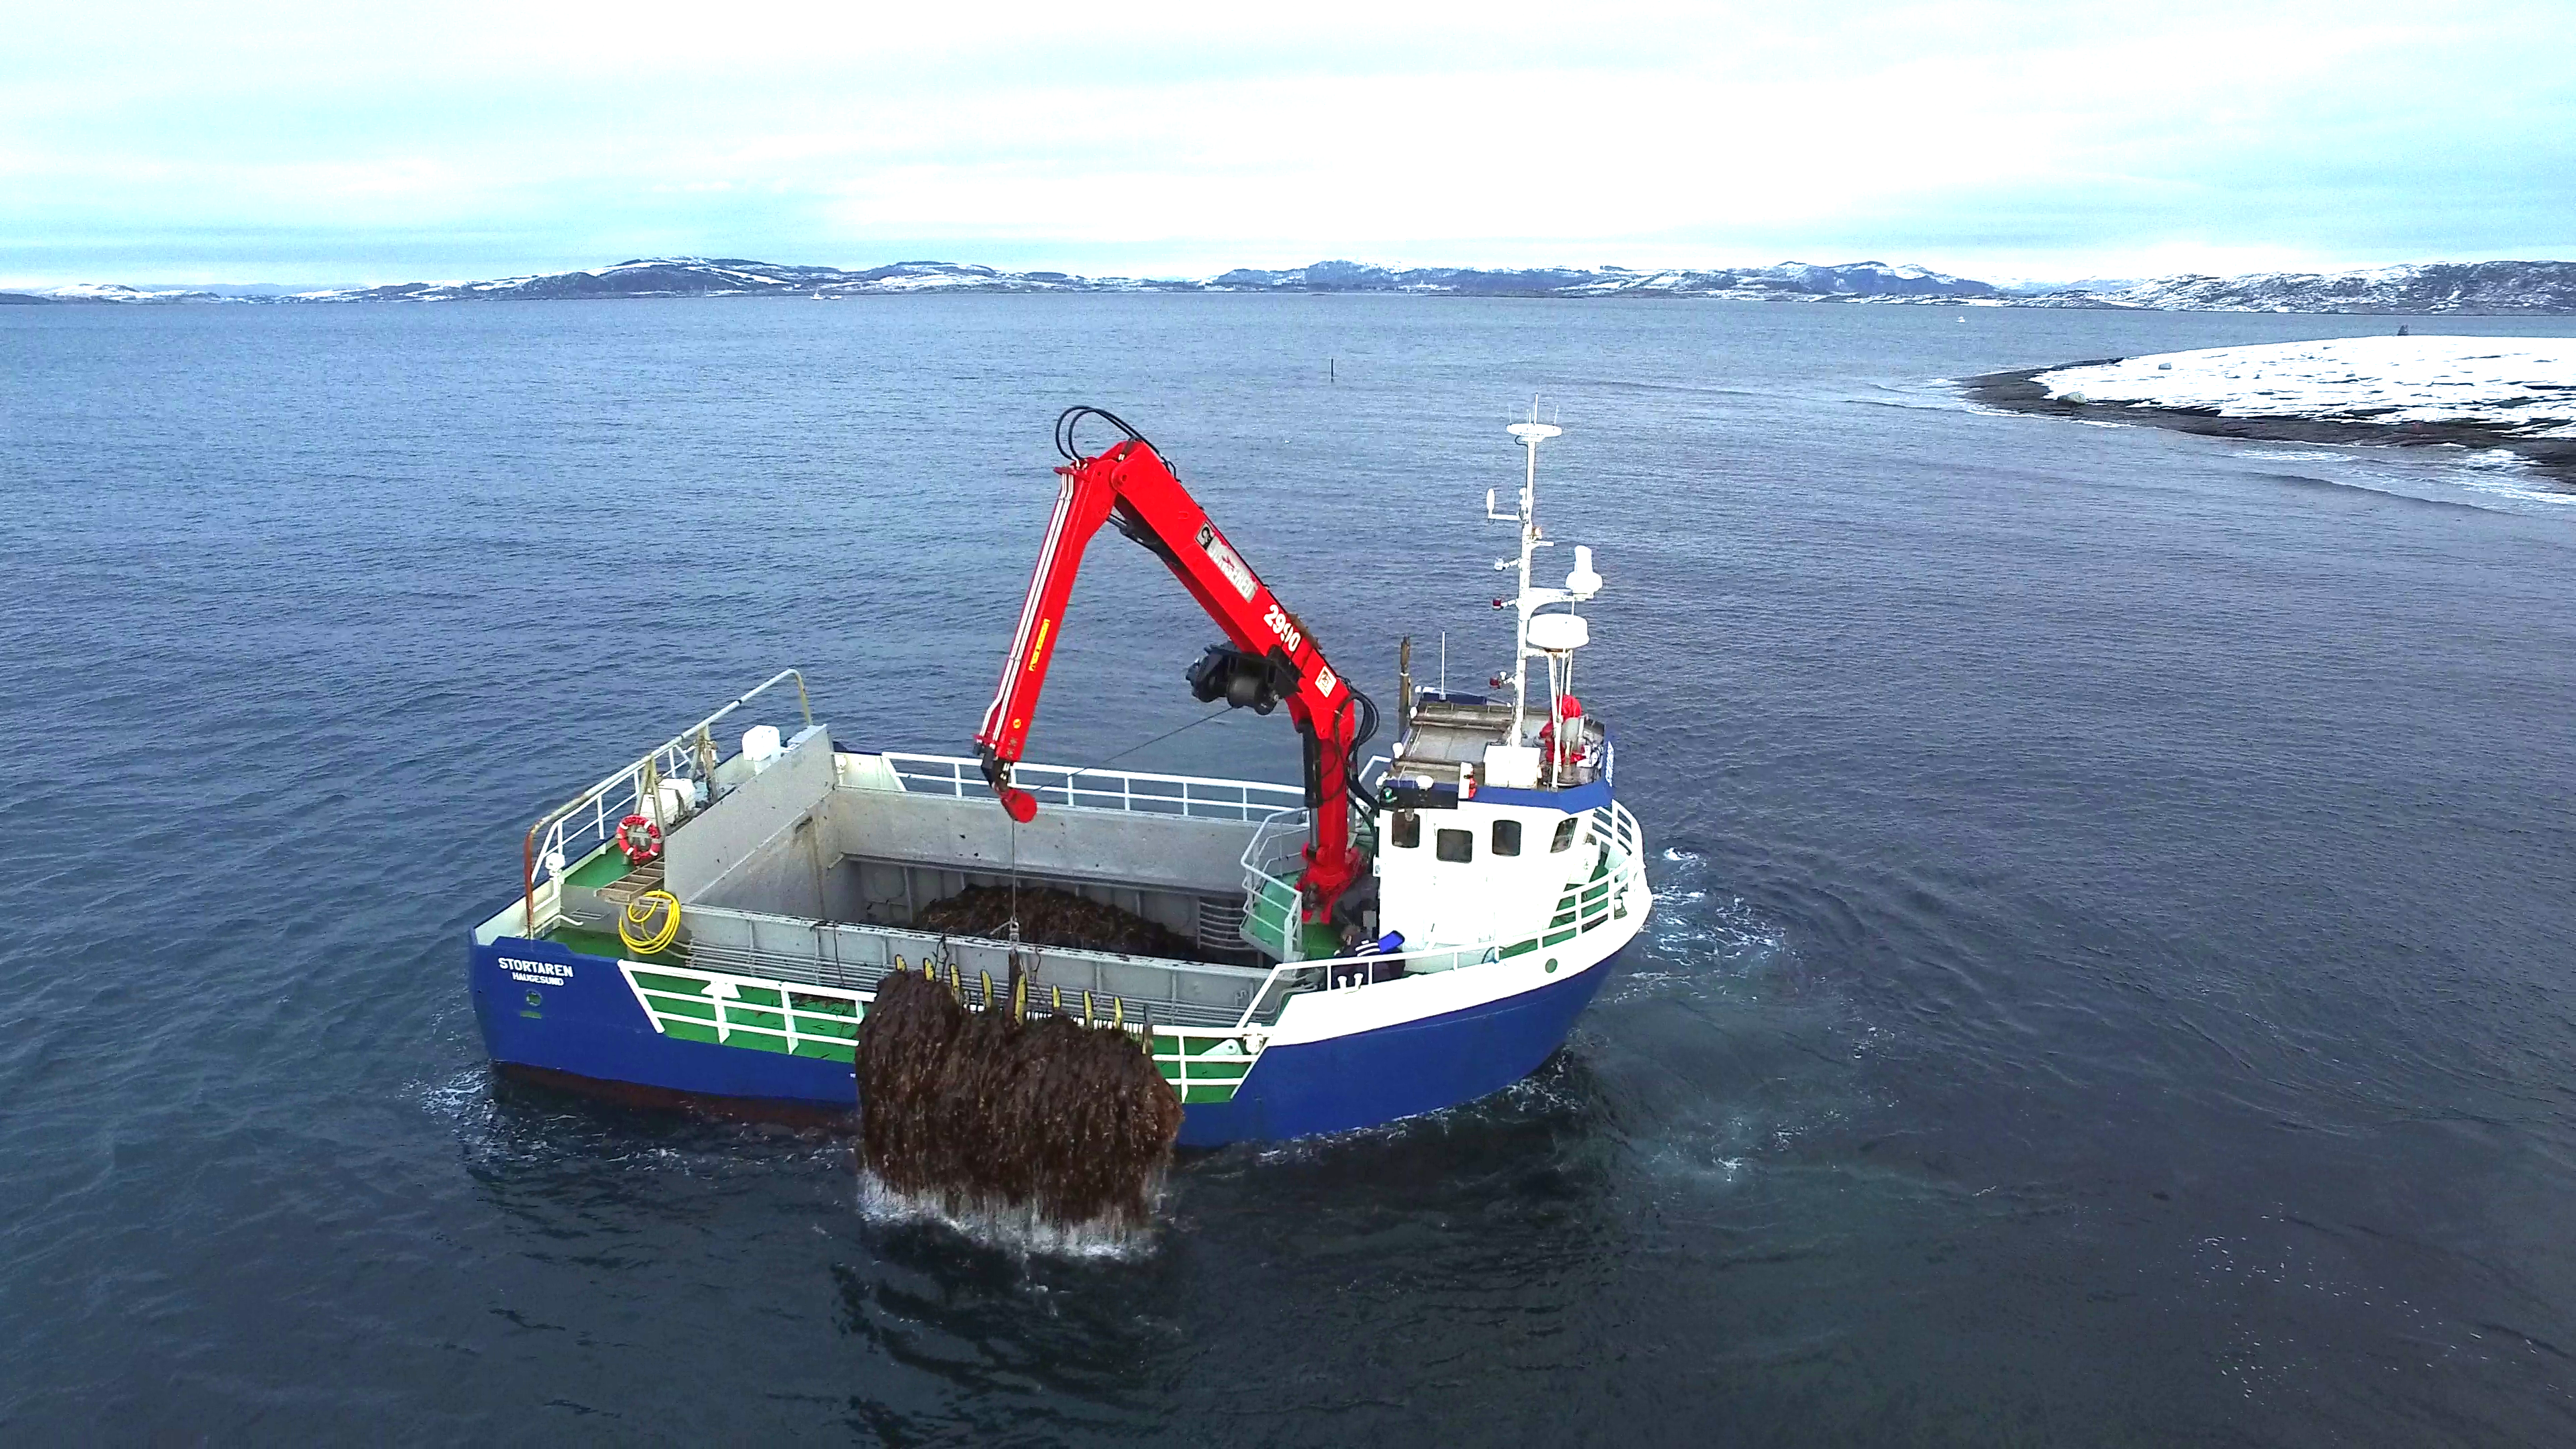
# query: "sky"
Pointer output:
{"type": "Point", "coordinates": [335, 142]}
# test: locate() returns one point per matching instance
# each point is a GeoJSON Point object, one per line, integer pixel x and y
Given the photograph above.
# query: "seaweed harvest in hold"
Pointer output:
{"type": "Point", "coordinates": [983, 1111]}
{"type": "Point", "coordinates": [1051, 917]}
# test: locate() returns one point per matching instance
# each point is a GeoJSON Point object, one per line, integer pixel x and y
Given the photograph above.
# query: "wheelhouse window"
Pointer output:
{"type": "Point", "coordinates": [1457, 845]}
{"type": "Point", "coordinates": [1507, 837]}
{"type": "Point", "coordinates": [1564, 835]}
{"type": "Point", "coordinates": [1407, 833]}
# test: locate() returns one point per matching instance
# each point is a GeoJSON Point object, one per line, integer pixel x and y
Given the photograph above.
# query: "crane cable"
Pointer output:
{"type": "Point", "coordinates": [1156, 740]}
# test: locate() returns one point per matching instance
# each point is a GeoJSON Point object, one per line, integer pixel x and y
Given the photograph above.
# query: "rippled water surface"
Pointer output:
{"type": "Point", "coordinates": [2110, 983]}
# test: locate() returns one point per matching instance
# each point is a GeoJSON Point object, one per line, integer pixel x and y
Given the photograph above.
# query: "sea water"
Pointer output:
{"type": "Point", "coordinates": [2111, 978]}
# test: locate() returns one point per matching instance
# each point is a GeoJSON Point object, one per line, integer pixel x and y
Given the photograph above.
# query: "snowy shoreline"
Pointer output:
{"type": "Point", "coordinates": [2474, 392]}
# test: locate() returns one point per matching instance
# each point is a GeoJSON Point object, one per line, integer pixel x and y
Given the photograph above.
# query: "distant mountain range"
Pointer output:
{"type": "Point", "coordinates": [735, 277]}
{"type": "Point", "coordinates": [2466, 287]}
{"type": "Point", "coordinates": [2477, 288]}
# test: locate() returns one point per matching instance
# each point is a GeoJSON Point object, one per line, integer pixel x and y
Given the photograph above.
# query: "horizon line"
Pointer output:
{"type": "Point", "coordinates": [2075, 276]}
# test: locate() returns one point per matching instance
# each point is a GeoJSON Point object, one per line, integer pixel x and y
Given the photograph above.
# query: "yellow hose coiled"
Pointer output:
{"type": "Point", "coordinates": [639, 913]}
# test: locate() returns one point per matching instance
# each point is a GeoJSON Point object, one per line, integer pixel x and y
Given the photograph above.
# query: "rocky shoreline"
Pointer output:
{"type": "Point", "coordinates": [2020, 390]}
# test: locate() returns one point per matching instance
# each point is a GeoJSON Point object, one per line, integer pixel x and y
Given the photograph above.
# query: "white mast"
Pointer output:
{"type": "Point", "coordinates": [1530, 434]}
{"type": "Point", "coordinates": [1580, 585]}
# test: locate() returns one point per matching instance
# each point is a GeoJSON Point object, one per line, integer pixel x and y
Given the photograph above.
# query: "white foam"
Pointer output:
{"type": "Point", "coordinates": [1019, 1231]}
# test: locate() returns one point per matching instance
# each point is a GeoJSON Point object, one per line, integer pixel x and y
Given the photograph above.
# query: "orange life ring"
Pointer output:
{"type": "Point", "coordinates": [639, 837]}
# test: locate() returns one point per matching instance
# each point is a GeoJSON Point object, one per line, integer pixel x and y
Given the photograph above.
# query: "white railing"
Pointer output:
{"type": "Point", "coordinates": [1619, 893]}
{"type": "Point", "coordinates": [1613, 824]}
{"type": "Point", "coordinates": [1271, 862]}
{"type": "Point", "coordinates": [1096, 789]}
{"type": "Point", "coordinates": [1281, 841]}
{"type": "Point", "coordinates": [857, 956]}
{"type": "Point", "coordinates": [587, 817]}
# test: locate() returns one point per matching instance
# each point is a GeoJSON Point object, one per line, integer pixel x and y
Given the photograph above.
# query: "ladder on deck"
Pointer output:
{"type": "Point", "coordinates": [622, 891]}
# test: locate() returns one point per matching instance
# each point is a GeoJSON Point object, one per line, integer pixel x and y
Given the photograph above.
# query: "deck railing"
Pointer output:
{"type": "Point", "coordinates": [587, 818]}
{"type": "Point", "coordinates": [855, 956]}
{"type": "Point", "coordinates": [1131, 791]}
{"type": "Point", "coordinates": [751, 1004]}
{"type": "Point", "coordinates": [1273, 908]}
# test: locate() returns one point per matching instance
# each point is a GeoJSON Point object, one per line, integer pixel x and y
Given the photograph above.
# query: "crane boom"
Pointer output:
{"type": "Point", "coordinates": [1268, 658]}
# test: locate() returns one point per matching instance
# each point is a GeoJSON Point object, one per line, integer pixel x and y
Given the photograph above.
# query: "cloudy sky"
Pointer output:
{"type": "Point", "coordinates": [344, 142]}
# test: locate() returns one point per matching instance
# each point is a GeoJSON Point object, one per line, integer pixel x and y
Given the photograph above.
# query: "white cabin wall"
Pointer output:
{"type": "Point", "coordinates": [1433, 901]}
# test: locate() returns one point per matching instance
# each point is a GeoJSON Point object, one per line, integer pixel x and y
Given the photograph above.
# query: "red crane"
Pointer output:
{"type": "Point", "coordinates": [1268, 658]}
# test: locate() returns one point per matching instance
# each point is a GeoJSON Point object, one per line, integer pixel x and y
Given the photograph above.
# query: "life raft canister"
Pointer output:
{"type": "Point", "coordinates": [639, 837]}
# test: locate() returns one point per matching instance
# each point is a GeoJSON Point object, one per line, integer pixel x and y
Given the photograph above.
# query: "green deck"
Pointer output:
{"type": "Point", "coordinates": [606, 868]}
{"type": "Point", "coordinates": [605, 943]}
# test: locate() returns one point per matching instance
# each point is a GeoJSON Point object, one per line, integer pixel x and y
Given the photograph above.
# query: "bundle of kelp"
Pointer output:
{"type": "Point", "coordinates": [982, 1111]}
{"type": "Point", "coordinates": [1050, 917]}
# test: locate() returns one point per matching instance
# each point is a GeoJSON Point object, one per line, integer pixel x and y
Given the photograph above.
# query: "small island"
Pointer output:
{"type": "Point", "coordinates": [2475, 392]}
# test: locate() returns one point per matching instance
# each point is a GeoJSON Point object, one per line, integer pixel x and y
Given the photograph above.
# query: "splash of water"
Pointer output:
{"type": "Point", "coordinates": [1021, 1231]}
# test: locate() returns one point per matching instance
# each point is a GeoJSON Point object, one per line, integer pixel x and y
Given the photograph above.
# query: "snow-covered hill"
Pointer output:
{"type": "Point", "coordinates": [2464, 287]}
{"type": "Point", "coordinates": [704, 277]}
{"type": "Point", "coordinates": [727, 277]}
{"type": "Point", "coordinates": [736, 277]}
{"type": "Point", "coordinates": [2475, 288]}
{"type": "Point", "coordinates": [1789, 281]}
{"type": "Point", "coordinates": [119, 292]}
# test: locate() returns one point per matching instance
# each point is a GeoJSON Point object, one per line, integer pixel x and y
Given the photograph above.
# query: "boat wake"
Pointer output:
{"type": "Point", "coordinates": [1702, 937]}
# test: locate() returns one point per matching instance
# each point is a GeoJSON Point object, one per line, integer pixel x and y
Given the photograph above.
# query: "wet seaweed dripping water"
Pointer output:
{"type": "Point", "coordinates": [994, 1113]}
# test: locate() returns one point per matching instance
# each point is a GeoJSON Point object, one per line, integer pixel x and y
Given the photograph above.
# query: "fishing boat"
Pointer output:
{"type": "Point", "coordinates": [1391, 936]}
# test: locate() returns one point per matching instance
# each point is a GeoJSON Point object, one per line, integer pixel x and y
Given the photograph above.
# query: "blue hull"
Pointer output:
{"type": "Point", "coordinates": [586, 1023]}
{"type": "Point", "coordinates": [1371, 1077]}
{"type": "Point", "coordinates": [558, 1011]}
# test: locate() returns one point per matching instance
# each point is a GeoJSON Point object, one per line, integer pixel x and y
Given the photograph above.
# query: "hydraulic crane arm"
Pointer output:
{"type": "Point", "coordinates": [1268, 657]}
